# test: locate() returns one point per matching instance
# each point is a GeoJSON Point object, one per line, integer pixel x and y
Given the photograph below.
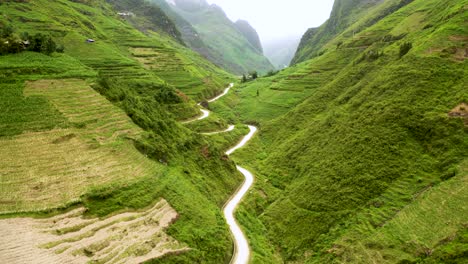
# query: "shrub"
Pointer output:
{"type": "Point", "coordinates": [60, 48]}
{"type": "Point", "coordinates": [254, 75]}
{"type": "Point", "coordinates": [405, 48]}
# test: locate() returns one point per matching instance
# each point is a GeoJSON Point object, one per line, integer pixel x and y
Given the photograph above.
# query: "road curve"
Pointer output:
{"type": "Point", "coordinates": [241, 249]}
{"type": "Point", "coordinates": [223, 94]}
{"type": "Point", "coordinates": [229, 129]}
{"type": "Point", "coordinates": [206, 113]}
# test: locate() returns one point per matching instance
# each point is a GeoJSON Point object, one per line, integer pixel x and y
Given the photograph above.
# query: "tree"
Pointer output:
{"type": "Point", "coordinates": [254, 75]}
{"type": "Point", "coordinates": [405, 48]}
{"type": "Point", "coordinates": [7, 31]}
{"type": "Point", "coordinates": [60, 48]}
{"type": "Point", "coordinates": [49, 46]}
{"type": "Point", "coordinates": [244, 79]}
{"type": "Point", "coordinates": [42, 43]}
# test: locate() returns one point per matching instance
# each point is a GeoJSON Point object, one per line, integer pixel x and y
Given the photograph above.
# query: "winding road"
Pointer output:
{"type": "Point", "coordinates": [241, 245]}
{"type": "Point", "coordinates": [241, 249]}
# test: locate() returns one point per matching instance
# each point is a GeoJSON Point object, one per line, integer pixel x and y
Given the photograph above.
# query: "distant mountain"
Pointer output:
{"type": "Point", "coordinates": [189, 34]}
{"type": "Point", "coordinates": [249, 33]}
{"type": "Point", "coordinates": [238, 54]}
{"type": "Point", "coordinates": [281, 51]}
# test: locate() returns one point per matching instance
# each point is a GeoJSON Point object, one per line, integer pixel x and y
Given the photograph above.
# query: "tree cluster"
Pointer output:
{"type": "Point", "coordinates": [250, 77]}
{"type": "Point", "coordinates": [11, 43]}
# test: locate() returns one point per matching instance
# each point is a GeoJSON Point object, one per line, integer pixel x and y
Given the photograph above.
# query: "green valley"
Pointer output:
{"type": "Point", "coordinates": [358, 146]}
{"type": "Point", "coordinates": [119, 120]}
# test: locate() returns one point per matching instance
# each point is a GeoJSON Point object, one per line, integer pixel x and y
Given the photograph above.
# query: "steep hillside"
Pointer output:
{"type": "Point", "coordinates": [189, 35]}
{"type": "Point", "coordinates": [344, 14]}
{"type": "Point", "coordinates": [221, 34]}
{"type": "Point", "coordinates": [146, 16]}
{"type": "Point", "coordinates": [249, 33]}
{"type": "Point", "coordinates": [96, 126]}
{"type": "Point", "coordinates": [362, 156]}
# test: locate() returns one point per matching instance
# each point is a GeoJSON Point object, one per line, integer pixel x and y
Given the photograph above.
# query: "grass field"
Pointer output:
{"type": "Point", "coordinates": [48, 169]}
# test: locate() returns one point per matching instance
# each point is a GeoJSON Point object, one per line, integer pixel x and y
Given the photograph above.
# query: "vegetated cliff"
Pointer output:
{"type": "Point", "coordinates": [146, 16]}
{"type": "Point", "coordinates": [190, 36]}
{"type": "Point", "coordinates": [344, 13]}
{"type": "Point", "coordinates": [238, 55]}
{"type": "Point", "coordinates": [361, 157]}
{"type": "Point", "coordinates": [249, 33]}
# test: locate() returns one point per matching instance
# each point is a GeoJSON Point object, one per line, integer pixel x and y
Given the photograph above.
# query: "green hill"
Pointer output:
{"type": "Point", "coordinates": [361, 156]}
{"type": "Point", "coordinates": [238, 55]}
{"type": "Point", "coordinates": [96, 125]}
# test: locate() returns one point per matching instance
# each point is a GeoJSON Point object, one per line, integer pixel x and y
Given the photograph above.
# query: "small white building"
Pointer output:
{"type": "Point", "coordinates": [126, 14]}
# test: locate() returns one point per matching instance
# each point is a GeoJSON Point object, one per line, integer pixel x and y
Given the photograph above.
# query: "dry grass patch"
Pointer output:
{"type": "Point", "coordinates": [133, 237]}
{"type": "Point", "coordinates": [42, 170]}
{"type": "Point", "coordinates": [460, 111]}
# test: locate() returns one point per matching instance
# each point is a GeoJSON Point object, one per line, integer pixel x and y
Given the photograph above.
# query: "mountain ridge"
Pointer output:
{"type": "Point", "coordinates": [249, 33]}
{"type": "Point", "coordinates": [222, 35]}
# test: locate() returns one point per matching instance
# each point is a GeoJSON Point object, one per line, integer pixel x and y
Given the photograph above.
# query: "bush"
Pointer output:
{"type": "Point", "coordinates": [11, 43]}
{"type": "Point", "coordinates": [254, 75]}
{"type": "Point", "coordinates": [60, 48]}
{"type": "Point", "coordinates": [405, 48]}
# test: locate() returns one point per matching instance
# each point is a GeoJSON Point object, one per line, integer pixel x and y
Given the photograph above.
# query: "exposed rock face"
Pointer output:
{"type": "Point", "coordinates": [249, 33]}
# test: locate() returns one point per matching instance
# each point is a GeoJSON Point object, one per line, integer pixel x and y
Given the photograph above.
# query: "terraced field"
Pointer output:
{"type": "Point", "coordinates": [132, 237]}
{"type": "Point", "coordinates": [47, 169]}
{"type": "Point", "coordinates": [169, 65]}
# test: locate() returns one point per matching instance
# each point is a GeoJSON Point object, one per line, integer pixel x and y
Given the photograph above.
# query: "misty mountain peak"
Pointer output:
{"type": "Point", "coordinates": [190, 5]}
{"type": "Point", "coordinates": [249, 33]}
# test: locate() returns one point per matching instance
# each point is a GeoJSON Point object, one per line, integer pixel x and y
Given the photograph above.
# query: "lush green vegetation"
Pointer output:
{"type": "Point", "coordinates": [146, 16]}
{"type": "Point", "coordinates": [156, 81]}
{"type": "Point", "coordinates": [11, 43]}
{"type": "Point", "coordinates": [357, 159]}
{"type": "Point", "coordinates": [356, 144]}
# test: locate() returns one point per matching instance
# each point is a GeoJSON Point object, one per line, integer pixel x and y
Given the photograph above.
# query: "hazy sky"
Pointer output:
{"type": "Point", "coordinates": [278, 18]}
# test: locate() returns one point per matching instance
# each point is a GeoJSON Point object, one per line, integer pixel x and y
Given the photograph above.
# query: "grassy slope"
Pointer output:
{"type": "Point", "coordinates": [348, 18]}
{"type": "Point", "coordinates": [350, 162]}
{"type": "Point", "coordinates": [239, 56]}
{"type": "Point", "coordinates": [195, 178]}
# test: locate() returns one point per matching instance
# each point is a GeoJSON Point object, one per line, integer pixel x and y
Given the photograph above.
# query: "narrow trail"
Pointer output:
{"type": "Point", "coordinates": [241, 245]}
